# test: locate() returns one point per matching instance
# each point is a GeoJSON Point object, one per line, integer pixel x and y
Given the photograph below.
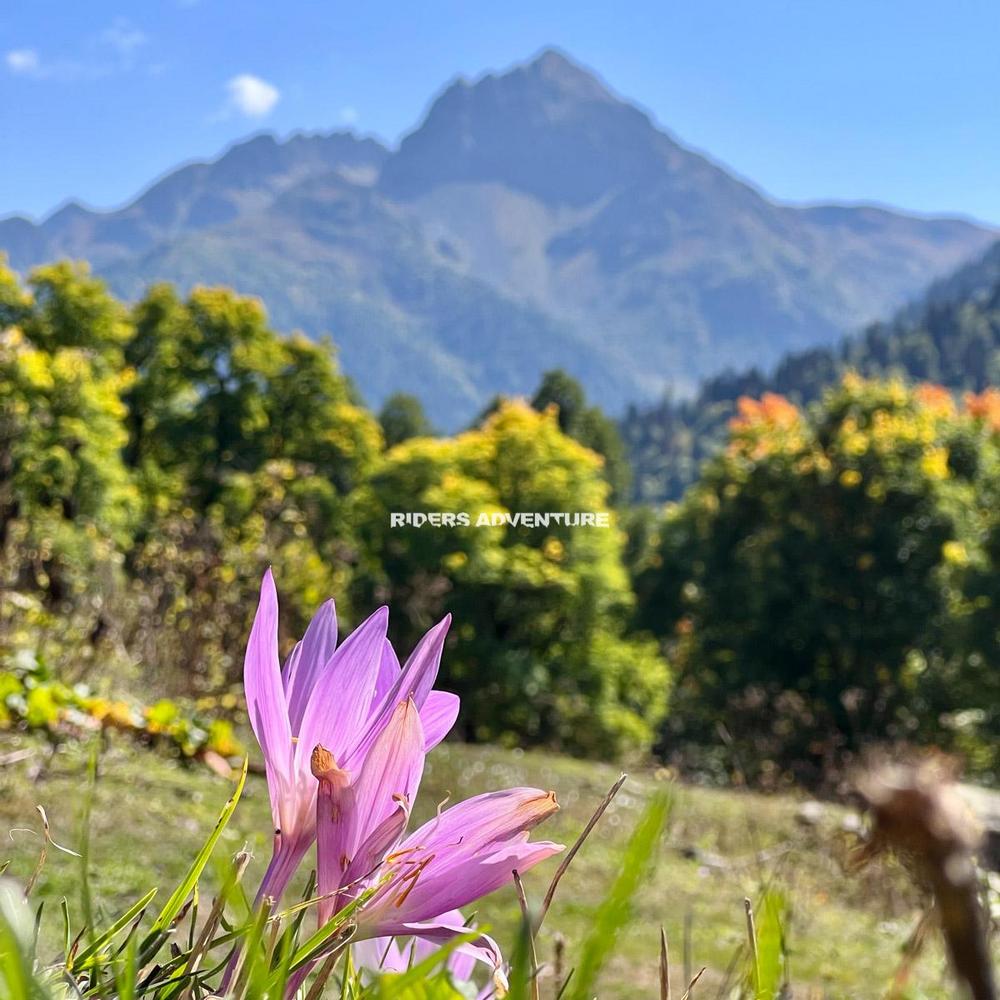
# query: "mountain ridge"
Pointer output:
{"type": "Point", "coordinates": [538, 208]}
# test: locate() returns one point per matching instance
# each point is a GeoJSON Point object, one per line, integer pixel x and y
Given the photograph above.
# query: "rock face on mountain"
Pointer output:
{"type": "Point", "coordinates": [534, 219]}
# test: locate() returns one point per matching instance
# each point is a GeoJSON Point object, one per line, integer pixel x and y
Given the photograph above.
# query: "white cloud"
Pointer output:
{"type": "Point", "coordinates": [24, 62]}
{"type": "Point", "coordinates": [252, 96]}
{"type": "Point", "coordinates": [124, 37]}
{"type": "Point", "coordinates": [349, 115]}
{"type": "Point", "coordinates": [110, 52]}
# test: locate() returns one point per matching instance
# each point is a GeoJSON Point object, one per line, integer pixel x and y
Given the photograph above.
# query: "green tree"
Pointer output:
{"type": "Point", "coordinates": [538, 652]}
{"type": "Point", "coordinates": [68, 505]}
{"type": "Point", "coordinates": [586, 424]}
{"type": "Point", "coordinates": [218, 391]}
{"type": "Point", "coordinates": [807, 579]}
{"type": "Point", "coordinates": [967, 687]}
{"type": "Point", "coordinates": [402, 417]}
{"type": "Point", "coordinates": [250, 448]}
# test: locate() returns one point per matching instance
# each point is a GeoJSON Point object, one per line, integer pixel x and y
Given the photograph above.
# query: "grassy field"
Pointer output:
{"type": "Point", "coordinates": [845, 934]}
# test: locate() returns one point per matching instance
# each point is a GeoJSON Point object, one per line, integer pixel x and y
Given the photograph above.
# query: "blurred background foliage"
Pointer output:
{"type": "Point", "coordinates": [824, 584]}
{"type": "Point", "coordinates": [830, 580]}
{"type": "Point", "coordinates": [155, 459]}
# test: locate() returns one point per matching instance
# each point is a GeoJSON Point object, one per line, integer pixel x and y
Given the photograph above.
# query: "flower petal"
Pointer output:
{"type": "Point", "coordinates": [307, 660]}
{"type": "Point", "coordinates": [380, 955]}
{"type": "Point", "coordinates": [462, 960]}
{"type": "Point", "coordinates": [388, 673]}
{"type": "Point", "coordinates": [438, 716]}
{"type": "Point", "coordinates": [334, 826]}
{"type": "Point", "coordinates": [445, 885]}
{"type": "Point", "coordinates": [385, 787]}
{"type": "Point", "coordinates": [341, 697]}
{"type": "Point", "coordinates": [371, 851]}
{"type": "Point", "coordinates": [415, 681]}
{"type": "Point", "coordinates": [445, 927]}
{"type": "Point", "coordinates": [474, 825]}
{"type": "Point", "coordinates": [264, 691]}
{"type": "Point", "coordinates": [464, 853]}
{"type": "Point", "coordinates": [391, 771]}
{"type": "Point", "coordinates": [421, 668]}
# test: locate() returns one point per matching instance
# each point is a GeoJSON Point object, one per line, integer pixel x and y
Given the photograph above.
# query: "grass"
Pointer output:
{"type": "Point", "coordinates": [845, 934]}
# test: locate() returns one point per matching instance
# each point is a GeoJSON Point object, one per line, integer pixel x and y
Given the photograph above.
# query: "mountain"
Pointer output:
{"type": "Point", "coordinates": [534, 219]}
{"type": "Point", "coordinates": [198, 196]}
{"type": "Point", "coordinates": [950, 336]}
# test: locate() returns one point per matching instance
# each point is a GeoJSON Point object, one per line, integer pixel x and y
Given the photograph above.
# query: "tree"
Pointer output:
{"type": "Point", "coordinates": [218, 391]}
{"type": "Point", "coordinates": [566, 394]}
{"type": "Point", "coordinates": [68, 504]}
{"type": "Point", "coordinates": [402, 417]}
{"type": "Point", "coordinates": [586, 424]}
{"type": "Point", "coordinates": [538, 652]}
{"type": "Point", "coordinates": [250, 448]}
{"type": "Point", "coordinates": [953, 337]}
{"type": "Point", "coordinates": [967, 690]}
{"type": "Point", "coordinates": [810, 571]}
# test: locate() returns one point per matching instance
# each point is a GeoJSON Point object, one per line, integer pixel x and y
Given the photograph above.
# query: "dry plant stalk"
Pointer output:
{"type": "Point", "coordinates": [752, 939]}
{"type": "Point", "coordinates": [558, 957]}
{"type": "Point", "coordinates": [240, 863]}
{"type": "Point", "coordinates": [691, 985]}
{"type": "Point", "coordinates": [919, 815]}
{"type": "Point", "coordinates": [326, 970]}
{"type": "Point", "coordinates": [664, 966]}
{"type": "Point", "coordinates": [911, 952]}
{"type": "Point", "coordinates": [688, 946]}
{"type": "Point", "coordinates": [572, 852]}
{"type": "Point", "coordinates": [535, 925]}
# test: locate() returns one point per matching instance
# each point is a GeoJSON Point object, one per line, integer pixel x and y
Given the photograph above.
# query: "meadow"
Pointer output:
{"type": "Point", "coordinates": [845, 933]}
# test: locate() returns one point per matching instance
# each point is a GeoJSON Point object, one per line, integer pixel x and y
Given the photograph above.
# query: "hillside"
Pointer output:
{"type": "Point", "coordinates": [534, 219]}
{"type": "Point", "coordinates": [951, 336]}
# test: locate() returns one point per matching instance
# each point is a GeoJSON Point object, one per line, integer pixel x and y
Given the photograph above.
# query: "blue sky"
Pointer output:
{"type": "Point", "coordinates": [879, 100]}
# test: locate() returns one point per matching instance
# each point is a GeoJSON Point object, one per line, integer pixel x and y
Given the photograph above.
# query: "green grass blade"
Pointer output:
{"type": "Point", "coordinates": [520, 964]}
{"type": "Point", "coordinates": [67, 925]}
{"type": "Point", "coordinates": [183, 891]}
{"type": "Point", "coordinates": [318, 944]}
{"type": "Point", "coordinates": [106, 937]}
{"type": "Point", "coordinates": [86, 897]}
{"type": "Point", "coordinates": [16, 977]}
{"type": "Point", "coordinates": [125, 980]}
{"type": "Point", "coordinates": [613, 914]}
{"type": "Point", "coordinates": [770, 947]}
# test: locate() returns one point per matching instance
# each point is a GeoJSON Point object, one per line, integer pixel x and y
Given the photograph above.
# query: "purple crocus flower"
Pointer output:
{"type": "Point", "coordinates": [359, 818]}
{"type": "Point", "coordinates": [341, 697]}
{"type": "Point", "coordinates": [465, 853]}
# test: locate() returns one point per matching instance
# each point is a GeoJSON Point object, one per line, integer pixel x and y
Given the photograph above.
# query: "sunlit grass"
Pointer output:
{"type": "Point", "coordinates": [846, 932]}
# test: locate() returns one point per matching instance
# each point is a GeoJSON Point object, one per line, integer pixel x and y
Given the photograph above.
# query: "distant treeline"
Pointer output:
{"type": "Point", "coordinates": [952, 338]}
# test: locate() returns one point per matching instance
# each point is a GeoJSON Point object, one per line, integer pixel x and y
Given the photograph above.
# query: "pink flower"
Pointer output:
{"type": "Point", "coordinates": [464, 853]}
{"type": "Point", "coordinates": [344, 732]}
{"type": "Point", "coordinates": [341, 697]}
